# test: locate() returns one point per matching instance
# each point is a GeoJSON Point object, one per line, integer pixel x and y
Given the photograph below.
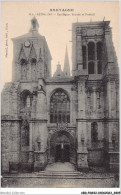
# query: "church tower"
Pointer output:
{"type": "Point", "coordinates": [96, 72]}
{"type": "Point", "coordinates": [25, 103]}
{"type": "Point", "coordinates": [32, 58]}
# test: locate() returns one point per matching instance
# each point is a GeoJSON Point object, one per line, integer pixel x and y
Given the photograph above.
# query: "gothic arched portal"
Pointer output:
{"type": "Point", "coordinates": [62, 147]}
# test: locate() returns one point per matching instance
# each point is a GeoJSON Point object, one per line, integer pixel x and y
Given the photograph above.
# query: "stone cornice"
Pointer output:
{"type": "Point", "coordinates": [98, 120]}
{"type": "Point", "coordinates": [26, 81]}
{"type": "Point", "coordinates": [81, 78]}
{"type": "Point", "coordinates": [95, 85]}
{"type": "Point", "coordinates": [54, 126]}
{"type": "Point", "coordinates": [60, 83]}
{"type": "Point", "coordinates": [93, 82]}
{"type": "Point", "coordinates": [38, 120]}
{"type": "Point", "coordinates": [12, 120]}
{"type": "Point", "coordinates": [9, 118]}
{"type": "Point", "coordinates": [111, 77]}
{"type": "Point", "coordinates": [30, 120]}
{"type": "Point", "coordinates": [64, 80]}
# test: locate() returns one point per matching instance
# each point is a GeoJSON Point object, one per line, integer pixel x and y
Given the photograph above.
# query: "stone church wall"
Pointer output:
{"type": "Point", "coordinates": [10, 147]}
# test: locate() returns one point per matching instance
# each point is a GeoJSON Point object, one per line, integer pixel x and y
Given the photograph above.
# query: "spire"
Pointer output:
{"type": "Point", "coordinates": [34, 24]}
{"type": "Point", "coordinates": [66, 68]}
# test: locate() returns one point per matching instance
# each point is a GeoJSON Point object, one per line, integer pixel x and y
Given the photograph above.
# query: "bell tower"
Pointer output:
{"type": "Point", "coordinates": [25, 99]}
{"type": "Point", "coordinates": [96, 72]}
{"type": "Point", "coordinates": [31, 56]}
{"type": "Point", "coordinates": [93, 53]}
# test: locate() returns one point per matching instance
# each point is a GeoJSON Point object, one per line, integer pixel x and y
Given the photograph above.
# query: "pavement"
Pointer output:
{"type": "Point", "coordinates": [59, 175]}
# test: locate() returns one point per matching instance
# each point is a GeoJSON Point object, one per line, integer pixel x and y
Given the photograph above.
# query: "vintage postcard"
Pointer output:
{"type": "Point", "coordinates": [60, 96]}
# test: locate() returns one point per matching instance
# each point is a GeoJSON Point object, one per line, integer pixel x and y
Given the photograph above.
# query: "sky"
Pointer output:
{"type": "Point", "coordinates": [56, 28]}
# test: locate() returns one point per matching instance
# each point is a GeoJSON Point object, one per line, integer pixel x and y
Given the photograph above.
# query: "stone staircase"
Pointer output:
{"type": "Point", "coordinates": [58, 179]}
{"type": "Point", "coordinates": [59, 174]}
{"type": "Point", "coordinates": [64, 175]}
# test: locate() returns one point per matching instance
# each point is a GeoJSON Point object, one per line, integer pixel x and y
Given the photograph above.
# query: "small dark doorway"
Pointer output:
{"type": "Point", "coordinates": [66, 153]}
{"type": "Point", "coordinates": [58, 153]}
{"type": "Point", "coordinates": [62, 153]}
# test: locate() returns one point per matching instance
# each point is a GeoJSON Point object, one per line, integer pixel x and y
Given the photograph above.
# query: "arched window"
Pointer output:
{"type": "Point", "coordinates": [99, 67]}
{"type": "Point", "coordinates": [28, 102]}
{"type": "Point", "coordinates": [26, 99]}
{"type": "Point", "coordinates": [84, 56]}
{"type": "Point", "coordinates": [91, 68]}
{"type": "Point", "coordinates": [59, 107]}
{"type": "Point", "coordinates": [99, 51]}
{"type": "Point", "coordinates": [99, 57]}
{"type": "Point", "coordinates": [91, 51]}
{"type": "Point", "coordinates": [94, 132]}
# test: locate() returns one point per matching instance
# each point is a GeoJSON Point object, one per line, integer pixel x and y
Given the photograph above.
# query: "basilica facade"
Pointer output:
{"type": "Point", "coordinates": [62, 118]}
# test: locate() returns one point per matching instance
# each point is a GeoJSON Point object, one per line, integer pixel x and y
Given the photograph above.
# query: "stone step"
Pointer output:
{"type": "Point", "coordinates": [66, 174]}
{"type": "Point", "coordinates": [58, 173]}
{"type": "Point", "coordinates": [57, 176]}
{"type": "Point", "coordinates": [61, 172]}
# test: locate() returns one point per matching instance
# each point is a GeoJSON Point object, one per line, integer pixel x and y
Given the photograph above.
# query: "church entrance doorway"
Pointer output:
{"type": "Point", "coordinates": [62, 153]}
{"type": "Point", "coordinates": [62, 148]}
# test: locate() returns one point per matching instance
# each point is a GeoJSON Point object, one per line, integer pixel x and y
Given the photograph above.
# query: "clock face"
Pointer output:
{"type": "Point", "coordinates": [27, 44]}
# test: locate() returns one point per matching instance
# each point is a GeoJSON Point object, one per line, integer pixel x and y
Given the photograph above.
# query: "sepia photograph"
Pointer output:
{"type": "Point", "coordinates": [60, 95]}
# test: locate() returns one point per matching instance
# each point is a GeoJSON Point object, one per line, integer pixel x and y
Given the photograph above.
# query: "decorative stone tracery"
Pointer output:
{"type": "Point", "coordinates": [59, 107]}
